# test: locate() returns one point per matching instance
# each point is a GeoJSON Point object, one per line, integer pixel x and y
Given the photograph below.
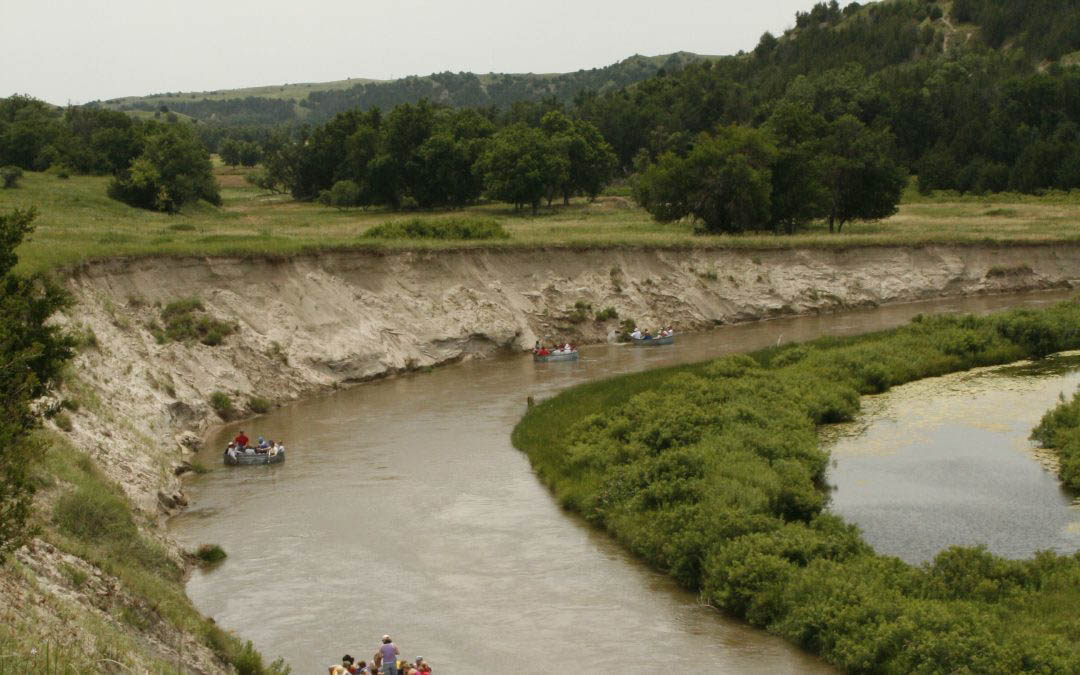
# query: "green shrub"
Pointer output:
{"type": "Point", "coordinates": [10, 176]}
{"type": "Point", "coordinates": [606, 314]}
{"type": "Point", "coordinates": [580, 312]}
{"type": "Point", "coordinates": [1059, 429]}
{"type": "Point", "coordinates": [76, 576]}
{"type": "Point", "coordinates": [222, 405]}
{"type": "Point", "coordinates": [93, 512]}
{"type": "Point", "coordinates": [345, 194]}
{"type": "Point", "coordinates": [185, 320]}
{"type": "Point", "coordinates": [63, 421]}
{"type": "Point", "coordinates": [998, 271]}
{"type": "Point", "coordinates": [258, 405]}
{"type": "Point", "coordinates": [450, 229]}
{"type": "Point", "coordinates": [210, 554]}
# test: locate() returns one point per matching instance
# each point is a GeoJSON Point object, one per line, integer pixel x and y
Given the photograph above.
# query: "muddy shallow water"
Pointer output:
{"type": "Point", "coordinates": [403, 509]}
{"type": "Point", "coordinates": [947, 461]}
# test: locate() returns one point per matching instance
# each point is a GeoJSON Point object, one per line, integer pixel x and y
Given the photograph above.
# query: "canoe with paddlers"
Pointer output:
{"type": "Point", "coordinates": [566, 352]}
{"type": "Point", "coordinates": [271, 454]}
{"type": "Point", "coordinates": [653, 341]}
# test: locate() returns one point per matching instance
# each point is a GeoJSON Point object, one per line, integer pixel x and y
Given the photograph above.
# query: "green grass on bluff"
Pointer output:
{"type": "Point", "coordinates": [76, 223]}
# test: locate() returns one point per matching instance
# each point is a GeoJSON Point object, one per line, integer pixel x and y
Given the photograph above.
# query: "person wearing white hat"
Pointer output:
{"type": "Point", "coordinates": [388, 653]}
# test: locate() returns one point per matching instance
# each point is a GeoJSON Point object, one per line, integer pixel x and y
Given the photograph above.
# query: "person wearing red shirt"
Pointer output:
{"type": "Point", "coordinates": [241, 440]}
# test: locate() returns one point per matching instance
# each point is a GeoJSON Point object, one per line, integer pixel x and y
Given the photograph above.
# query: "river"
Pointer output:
{"type": "Point", "coordinates": [947, 461]}
{"type": "Point", "coordinates": [403, 509]}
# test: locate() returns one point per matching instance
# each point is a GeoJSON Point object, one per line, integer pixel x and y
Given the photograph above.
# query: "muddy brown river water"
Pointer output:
{"type": "Point", "coordinates": [403, 509]}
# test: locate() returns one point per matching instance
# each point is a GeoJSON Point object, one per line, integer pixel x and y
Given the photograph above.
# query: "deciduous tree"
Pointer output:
{"type": "Point", "coordinates": [32, 352]}
{"type": "Point", "coordinates": [724, 182]}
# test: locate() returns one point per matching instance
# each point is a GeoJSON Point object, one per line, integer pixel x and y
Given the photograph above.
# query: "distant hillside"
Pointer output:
{"type": "Point", "coordinates": [980, 95]}
{"type": "Point", "coordinates": [318, 102]}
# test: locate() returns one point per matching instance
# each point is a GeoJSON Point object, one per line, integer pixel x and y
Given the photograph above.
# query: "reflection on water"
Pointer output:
{"type": "Point", "coordinates": [947, 461]}
{"type": "Point", "coordinates": [404, 509]}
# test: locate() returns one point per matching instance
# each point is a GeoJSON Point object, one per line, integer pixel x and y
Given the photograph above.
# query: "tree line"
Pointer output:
{"type": "Point", "coordinates": [155, 164]}
{"type": "Point", "coordinates": [461, 89]}
{"type": "Point", "coordinates": [427, 156]}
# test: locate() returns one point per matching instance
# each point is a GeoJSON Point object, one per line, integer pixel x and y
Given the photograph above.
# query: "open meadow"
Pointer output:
{"type": "Point", "coordinates": [77, 222]}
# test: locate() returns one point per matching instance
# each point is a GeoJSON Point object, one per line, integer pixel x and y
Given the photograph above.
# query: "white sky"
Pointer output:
{"type": "Point", "coordinates": [80, 50]}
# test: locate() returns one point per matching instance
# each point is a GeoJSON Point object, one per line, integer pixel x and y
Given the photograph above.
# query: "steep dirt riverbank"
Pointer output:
{"type": "Point", "coordinates": [312, 324]}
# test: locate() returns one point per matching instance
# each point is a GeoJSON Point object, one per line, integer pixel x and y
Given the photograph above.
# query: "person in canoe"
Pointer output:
{"type": "Point", "coordinates": [241, 441]}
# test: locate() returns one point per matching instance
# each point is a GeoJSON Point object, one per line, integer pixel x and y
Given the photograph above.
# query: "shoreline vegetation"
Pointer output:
{"type": "Point", "coordinates": [77, 224]}
{"type": "Point", "coordinates": [712, 473]}
{"type": "Point", "coordinates": [1059, 430]}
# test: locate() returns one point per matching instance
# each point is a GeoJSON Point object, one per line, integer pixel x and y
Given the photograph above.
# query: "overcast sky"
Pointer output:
{"type": "Point", "coordinates": [80, 50]}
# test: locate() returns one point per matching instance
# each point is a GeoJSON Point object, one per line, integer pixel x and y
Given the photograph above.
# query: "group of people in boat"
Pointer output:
{"type": "Point", "coordinates": [243, 445]}
{"type": "Point", "coordinates": [386, 661]}
{"type": "Point", "coordinates": [541, 350]}
{"type": "Point", "coordinates": [647, 335]}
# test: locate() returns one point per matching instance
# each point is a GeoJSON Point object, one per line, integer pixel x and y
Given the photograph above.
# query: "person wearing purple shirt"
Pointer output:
{"type": "Point", "coordinates": [389, 653]}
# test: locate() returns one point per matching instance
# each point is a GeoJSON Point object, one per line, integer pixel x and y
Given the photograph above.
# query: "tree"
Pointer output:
{"type": "Point", "coordinates": [519, 166]}
{"type": "Point", "coordinates": [32, 353]}
{"type": "Point", "coordinates": [444, 174]}
{"type": "Point", "coordinates": [591, 160]}
{"type": "Point", "coordinates": [173, 169]}
{"type": "Point", "coordinates": [861, 177]}
{"type": "Point", "coordinates": [798, 193]}
{"type": "Point", "coordinates": [725, 181]}
{"type": "Point", "coordinates": [229, 151]}
{"type": "Point", "coordinates": [29, 131]}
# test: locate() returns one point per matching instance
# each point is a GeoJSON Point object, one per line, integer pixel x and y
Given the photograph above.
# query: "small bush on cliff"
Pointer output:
{"type": "Point", "coordinates": [186, 320]}
{"type": "Point", "coordinates": [455, 229]}
{"type": "Point", "coordinates": [606, 314]}
{"type": "Point", "coordinates": [210, 554]}
{"type": "Point", "coordinates": [92, 512]}
{"type": "Point", "coordinates": [222, 405]}
{"type": "Point", "coordinates": [580, 312]}
{"type": "Point", "coordinates": [258, 405]}
{"type": "Point", "coordinates": [63, 421]}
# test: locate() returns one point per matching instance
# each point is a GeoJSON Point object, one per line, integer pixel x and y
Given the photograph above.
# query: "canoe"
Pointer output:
{"type": "Point", "coordinates": [556, 356]}
{"type": "Point", "coordinates": [276, 455]}
{"type": "Point", "coordinates": [653, 342]}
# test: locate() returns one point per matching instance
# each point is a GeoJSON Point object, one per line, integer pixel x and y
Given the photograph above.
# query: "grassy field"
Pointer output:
{"type": "Point", "coordinates": [76, 223]}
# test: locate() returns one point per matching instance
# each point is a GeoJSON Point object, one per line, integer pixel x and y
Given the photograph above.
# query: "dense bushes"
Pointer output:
{"type": "Point", "coordinates": [712, 473]}
{"type": "Point", "coordinates": [1060, 429]}
{"type": "Point", "coordinates": [186, 320]}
